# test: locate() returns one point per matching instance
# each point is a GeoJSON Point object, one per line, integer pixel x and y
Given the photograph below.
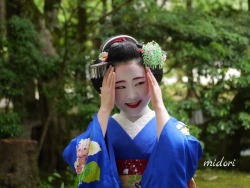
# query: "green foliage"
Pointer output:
{"type": "Point", "coordinates": [210, 54]}
{"type": "Point", "coordinates": [23, 48]}
{"type": "Point", "coordinates": [20, 57]}
{"type": "Point", "coordinates": [63, 179]}
{"type": "Point", "coordinates": [245, 119]}
{"type": "Point", "coordinates": [220, 5]}
{"type": "Point", "coordinates": [52, 181]}
{"type": "Point", "coordinates": [19, 65]}
{"type": "Point", "coordinates": [9, 125]}
{"type": "Point", "coordinates": [203, 45]}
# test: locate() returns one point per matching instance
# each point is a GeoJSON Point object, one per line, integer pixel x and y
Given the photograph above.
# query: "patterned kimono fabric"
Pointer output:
{"type": "Point", "coordinates": [127, 159]}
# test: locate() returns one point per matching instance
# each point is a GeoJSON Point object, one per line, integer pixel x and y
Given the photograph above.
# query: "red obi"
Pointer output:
{"type": "Point", "coordinates": [131, 166]}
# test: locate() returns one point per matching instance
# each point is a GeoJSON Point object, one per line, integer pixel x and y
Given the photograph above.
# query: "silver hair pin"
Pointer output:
{"type": "Point", "coordinates": [97, 70]}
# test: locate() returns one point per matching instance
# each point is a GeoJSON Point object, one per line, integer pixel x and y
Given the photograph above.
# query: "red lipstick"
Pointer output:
{"type": "Point", "coordinates": [133, 105]}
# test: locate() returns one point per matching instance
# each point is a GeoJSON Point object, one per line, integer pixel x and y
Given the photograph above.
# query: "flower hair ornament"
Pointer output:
{"type": "Point", "coordinates": [152, 55]}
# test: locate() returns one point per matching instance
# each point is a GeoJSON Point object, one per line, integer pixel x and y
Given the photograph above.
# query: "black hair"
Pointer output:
{"type": "Point", "coordinates": [121, 50]}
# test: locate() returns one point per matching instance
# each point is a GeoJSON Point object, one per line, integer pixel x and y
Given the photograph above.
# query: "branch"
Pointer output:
{"type": "Point", "coordinates": [163, 3]}
{"type": "Point", "coordinates": [45, 129]}
{"type": "Point", "coordinates": [109, 13]}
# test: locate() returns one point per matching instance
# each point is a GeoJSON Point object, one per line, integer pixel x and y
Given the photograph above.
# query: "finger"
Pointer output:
{"type": "Point", "coordinates": [109, 79]}
{"type": "Point", "coordinates": [112, 83]}
{"type": "Point", "coordinates": [150, 85]}
{"type": "Point", "coordinates": [150, 81]}
{"type": "Point", "coordinates": [152, 76]}
{"type": "Point", "coordinates": [108, 71]}
{"type": "Point", "coordinates": [106, 75]}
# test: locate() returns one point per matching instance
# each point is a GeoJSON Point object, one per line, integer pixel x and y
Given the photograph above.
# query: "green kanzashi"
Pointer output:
{"type": "Point", "coordinates": [91, 172]}
{"type": "Point", "coordinates": [153, 56]}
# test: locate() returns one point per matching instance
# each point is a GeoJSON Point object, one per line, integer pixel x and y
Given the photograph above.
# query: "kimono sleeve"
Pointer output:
{"type": "Point", "coordinates": [88, 156]}
{"type": "Point", "coordinates": [174, 159]}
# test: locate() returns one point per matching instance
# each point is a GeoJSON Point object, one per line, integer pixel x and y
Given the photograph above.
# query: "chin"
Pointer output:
{"type": "Point", "coordinates": [135, 112]}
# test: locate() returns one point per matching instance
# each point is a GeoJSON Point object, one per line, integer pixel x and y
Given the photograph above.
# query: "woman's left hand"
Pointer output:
{"type": "Point", "coordinates": [161, 113]}
{"type": "Point", "coordinates": [154, 90]}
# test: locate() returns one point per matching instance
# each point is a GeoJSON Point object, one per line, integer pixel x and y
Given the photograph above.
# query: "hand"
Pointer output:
{"type": "Point", "coordinates": [107, 99]}
{"type": "Point", "coordinates": [108, 91]}
{"type": "Point", "coordinates": [154, 91]}
{"type": "Point", "coordinates": [191, 184]}
{"type": "Point", "coordinates": [161, 113]}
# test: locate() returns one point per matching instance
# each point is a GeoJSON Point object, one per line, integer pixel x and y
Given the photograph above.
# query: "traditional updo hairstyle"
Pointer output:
{"type": "Point", "coordinates": [115, 50]}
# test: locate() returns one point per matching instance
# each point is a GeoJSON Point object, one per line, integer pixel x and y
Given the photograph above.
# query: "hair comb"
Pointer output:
{"type": "Point", "coordinates": [97, 70]}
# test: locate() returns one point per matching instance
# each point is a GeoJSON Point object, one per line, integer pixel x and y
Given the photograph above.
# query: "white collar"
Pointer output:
{"type": "Point", "coordinates": [133, 128]}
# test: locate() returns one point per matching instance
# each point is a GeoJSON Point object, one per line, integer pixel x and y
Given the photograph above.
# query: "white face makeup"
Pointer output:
{"type": "Point", "coordinates": [131, 89]}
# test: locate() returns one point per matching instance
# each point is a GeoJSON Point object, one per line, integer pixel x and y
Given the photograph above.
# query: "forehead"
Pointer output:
{"type": "Point", "coordinates": [129, 69]}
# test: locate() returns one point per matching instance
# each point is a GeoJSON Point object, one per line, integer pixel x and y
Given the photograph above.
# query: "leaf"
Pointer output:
{"type": "Point", "coordinates": [55, 174]}
{"type": "Point", "coordinates": [245, 118]}
{"type": "Point", "coordinates": [91, 172]}
{"type": "Point", "coordinates": [94, 148]}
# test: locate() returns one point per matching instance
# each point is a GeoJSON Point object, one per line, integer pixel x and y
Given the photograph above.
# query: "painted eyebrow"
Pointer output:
{"type": "Point", "coordinates": [136, 78]}
{"type": "Point", "coordinates": [121, 81]}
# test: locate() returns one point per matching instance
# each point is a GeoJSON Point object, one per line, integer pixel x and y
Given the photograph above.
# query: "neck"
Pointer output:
{"type": "Point", "coordinates": [136, 117]}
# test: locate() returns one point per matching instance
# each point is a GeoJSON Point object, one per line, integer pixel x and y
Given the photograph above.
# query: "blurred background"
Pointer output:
{"type": "Point", "coordinates": [46, 97]}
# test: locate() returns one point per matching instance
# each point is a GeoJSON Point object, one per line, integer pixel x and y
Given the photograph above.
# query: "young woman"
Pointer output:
{"type": "Point", "coordinates": [139, 146]}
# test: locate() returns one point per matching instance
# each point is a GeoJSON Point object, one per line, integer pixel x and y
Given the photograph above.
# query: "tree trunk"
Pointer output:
{"type": "Point", "coordinates": [235, 146]}
{"type": "Point", "coordinates": [2, 20]}
{"type": "Point", "coordinates": [189, 3]}
{"type": "Point", "coordinates": [50, 13]}
{"type": "Point", "coordinates": [239, 104]}
{"type": "Point", "coordinates": [18, 166]}
{"type": "Point", "coordinates": [2, 10]}
{"type": "Point", "coordinates": [27, 9]}
{"type": "Point", "coordinates": [241, 4]}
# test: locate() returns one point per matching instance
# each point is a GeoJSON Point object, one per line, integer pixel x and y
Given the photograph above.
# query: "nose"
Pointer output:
{"type": "Point", "coordinates": [132, 94]}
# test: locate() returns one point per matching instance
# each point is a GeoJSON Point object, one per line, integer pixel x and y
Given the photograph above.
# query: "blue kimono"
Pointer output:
{"type": "Point", "coordinates": [145, 161]}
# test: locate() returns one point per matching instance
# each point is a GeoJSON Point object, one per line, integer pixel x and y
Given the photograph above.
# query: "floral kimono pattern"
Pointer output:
{"type": "Point", "coordinates": [171, 160]}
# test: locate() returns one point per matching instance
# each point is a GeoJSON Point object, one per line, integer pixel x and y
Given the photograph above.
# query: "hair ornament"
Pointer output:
{"type": "Point", "coordinates": [97, 70]}
{"type": "Point", "coordinates": [103, 56]}
{"type": "Point", "coordinates": [121, 39]}
{"type": "Point", "coordinates": [153, 56]}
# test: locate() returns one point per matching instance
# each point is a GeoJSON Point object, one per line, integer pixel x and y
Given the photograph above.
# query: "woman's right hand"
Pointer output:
{"type": "Point", "coordinates": [108, 90]}
{"type": "Point", "coordinates": [107, 98]}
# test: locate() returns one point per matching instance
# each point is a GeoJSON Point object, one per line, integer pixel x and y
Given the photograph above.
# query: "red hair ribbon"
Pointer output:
{"type": "Point", "coordinates": [140, 50]}
{"type": "Point", "coordinates": [119, 40]}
